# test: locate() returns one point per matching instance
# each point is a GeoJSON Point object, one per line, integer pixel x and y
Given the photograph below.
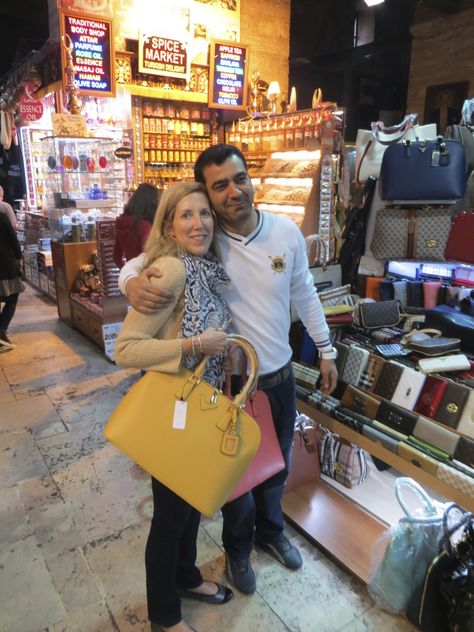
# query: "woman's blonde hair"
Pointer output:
{"type": "Point", "coordinates": [159, 243]}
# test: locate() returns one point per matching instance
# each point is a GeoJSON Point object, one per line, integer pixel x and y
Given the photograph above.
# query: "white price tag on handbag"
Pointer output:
{"type": "Point", "coordinates": [179, 417]}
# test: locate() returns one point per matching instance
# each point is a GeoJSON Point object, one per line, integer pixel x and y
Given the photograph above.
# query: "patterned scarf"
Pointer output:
{"type": "Point", "coordinates": [204, 307]}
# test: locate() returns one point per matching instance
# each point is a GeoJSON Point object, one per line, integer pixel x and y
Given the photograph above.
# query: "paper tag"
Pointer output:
{"type": "Point", "coordinates": [179, 417]}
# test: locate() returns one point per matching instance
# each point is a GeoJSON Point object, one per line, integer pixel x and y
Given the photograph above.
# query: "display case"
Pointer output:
{"type": "Point", "coordinates": [84, 192]}
{"type": "Point", "coordinates": [294, 160]}
{"type": "Point", "coordinates": [173, 134]}
{"type": "Point", "coordinates": [286, 182]}
{"type": "Point", "coordinates": [84, 182]}
{"type": "Point", "coordinates": [35, 164]}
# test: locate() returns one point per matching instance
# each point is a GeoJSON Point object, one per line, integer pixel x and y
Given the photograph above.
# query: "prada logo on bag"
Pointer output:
{"type": "Point", "coordinates": [432, 243]}
{"type": "Point", "coordinates": [452, 408]}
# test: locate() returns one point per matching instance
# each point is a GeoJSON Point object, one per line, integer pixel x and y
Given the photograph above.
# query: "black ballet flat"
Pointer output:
{"type": "Point", "coordinates": [155, 627]}
{"type": "Point", "coordinates": [223, 595]}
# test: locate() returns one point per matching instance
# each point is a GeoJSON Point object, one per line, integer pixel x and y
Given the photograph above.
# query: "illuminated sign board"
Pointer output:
{"type": "Point", "coordinates": [228, 76]}
{"type": "Point", "coordinates": [163, 56]}
{"type": "Point", "coordinates": [92, 53]}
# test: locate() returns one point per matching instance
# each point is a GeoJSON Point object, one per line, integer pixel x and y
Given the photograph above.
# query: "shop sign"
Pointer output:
{"type": "Point", "coordinates": [163, 56]}
{"type": "Point", "coordinates": [228, 75]}
{"type": "Point", "coordinates": [29, 107]}
{"type": "Point", "coordinates": [92, 53]}
{"type": "Point", "coordinates": [123, 152]}
{"type": "Point", "coordinates": [97, 7]}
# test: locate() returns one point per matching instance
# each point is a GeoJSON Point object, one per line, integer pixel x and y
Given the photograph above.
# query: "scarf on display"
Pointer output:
{"type": "Point", "coordinates": [204, 307]}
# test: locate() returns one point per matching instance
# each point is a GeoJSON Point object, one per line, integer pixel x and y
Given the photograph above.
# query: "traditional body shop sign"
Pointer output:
{"type": "Point", "coordinates": [228, 80]}
{"type": "Point", "coordinates": [163, 56]}
{"type": "Point", "coordinates": [92, 53]}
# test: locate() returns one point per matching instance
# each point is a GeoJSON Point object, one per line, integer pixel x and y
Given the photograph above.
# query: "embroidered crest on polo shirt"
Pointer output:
{"type": "Point", "coordinates": [278, 263]}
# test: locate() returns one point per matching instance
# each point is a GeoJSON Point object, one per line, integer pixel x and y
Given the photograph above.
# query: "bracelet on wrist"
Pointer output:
{"type": "Point", "coordinates": [201, 350]}
{"type": "Point", "coordinates": [192, 346]}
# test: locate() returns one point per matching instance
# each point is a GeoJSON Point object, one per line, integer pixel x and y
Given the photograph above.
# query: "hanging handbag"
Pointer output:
{"type": "Point", "coordinates": [444, 601]}
{"type": "Point", "coordinates": [401, 556]}
{"type": "Point", "coordinates": [353, 235]}
{"type": "Point", "coordinates": [304, 466]}
{"type": "Point", "coordinates": [188, 434]}
{"type": "Point", "coordinates": [343, 461]}
{"type": "Point", "coordinates": [459, 244]}
{"type": "Point", "coordinates": [463, 134]}
{"type": "Point", "coordinates": [326, 276]}
{"type": "Point", "coordinates": [268, 459]}
{"type": "Point", "coordinates": [423, 172]}
{"type": "Point", "coordinates": [401, 233]}
{"type": "Point", "coordinates": [371, 144]}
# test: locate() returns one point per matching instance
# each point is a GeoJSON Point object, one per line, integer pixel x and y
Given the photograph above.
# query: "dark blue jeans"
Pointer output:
{"type": "Point", "coordinates": [259, 512]}
{"type": "Point", "coordinates": [170, 555]}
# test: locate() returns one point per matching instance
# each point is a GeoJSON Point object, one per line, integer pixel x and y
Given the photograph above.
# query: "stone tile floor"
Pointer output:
{"type": "Point", "coordinates": [74, 512]}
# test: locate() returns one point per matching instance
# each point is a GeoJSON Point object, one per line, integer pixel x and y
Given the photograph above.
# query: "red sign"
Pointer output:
{"type": "Point", "coordinates": [163, 56]}
{"type": "Point", "coordinates": [30, 108]}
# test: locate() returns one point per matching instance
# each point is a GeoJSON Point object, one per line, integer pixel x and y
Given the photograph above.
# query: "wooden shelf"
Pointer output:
{"type": "Point", "coordinates": [341, 527]}
{"type": "Point", "coordinates": [376, 449]}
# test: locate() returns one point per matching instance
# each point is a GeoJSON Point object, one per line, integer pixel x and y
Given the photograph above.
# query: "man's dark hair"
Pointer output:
{"type": "Point", "coordinates": [216, 155]}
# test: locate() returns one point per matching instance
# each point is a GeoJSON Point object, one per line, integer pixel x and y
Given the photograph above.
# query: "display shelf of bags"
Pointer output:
{"type": "Point", "coordinates": [323, 513]}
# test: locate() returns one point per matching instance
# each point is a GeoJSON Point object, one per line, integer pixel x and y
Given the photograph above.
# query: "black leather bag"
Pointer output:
{"type": "Point", "coordinates": [355, 227]}
{"type": "Point", "coordinates": [452, 324]}
{"type": "Point", "coordinates": [377, 315]}
{"type": "Point", "coordinates": [444, 602]}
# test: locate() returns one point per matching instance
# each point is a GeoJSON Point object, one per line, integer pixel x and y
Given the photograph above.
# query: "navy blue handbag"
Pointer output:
{"type": "Point", "coordinates": [423, 172]}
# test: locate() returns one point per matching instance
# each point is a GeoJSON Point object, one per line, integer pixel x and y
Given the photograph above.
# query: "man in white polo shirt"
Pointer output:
{"type": "Point", "coordinates": [265, 258]}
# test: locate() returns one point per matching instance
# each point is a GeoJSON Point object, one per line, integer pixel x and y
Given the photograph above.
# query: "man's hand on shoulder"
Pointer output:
{"type": "Point", "coordinates": [147, 297]}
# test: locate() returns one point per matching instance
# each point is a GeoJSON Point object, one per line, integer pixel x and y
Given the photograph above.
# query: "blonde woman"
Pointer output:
{"type": "Point", "coordinates": [178, 335]}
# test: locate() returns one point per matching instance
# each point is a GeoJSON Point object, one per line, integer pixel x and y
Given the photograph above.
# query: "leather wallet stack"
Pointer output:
{"type": "Point", "coordinates": [452, 404]}
{"type": "Point", "coordinates": [388, 379]}
{"type": "Point", "coordinates": [431, 395]}
{"type": "Point", "coordinates": [360, 402]}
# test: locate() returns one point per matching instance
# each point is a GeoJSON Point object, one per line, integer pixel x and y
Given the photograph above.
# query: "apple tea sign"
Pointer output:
{"type": "Point", "coordinates": [123, 152]}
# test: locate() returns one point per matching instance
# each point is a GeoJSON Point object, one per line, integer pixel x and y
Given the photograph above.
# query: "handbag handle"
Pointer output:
{"type": "Point", "coordinates": [426, 501]}
{"type": "Point", "coordinates": [407, 337]}
{"type": "Point", "coordinates": [252, 362]}
{"type": "Point", "coordinates": [321, 256]}
{"type": "Point", "coordinates": [466, 518]}
{"type": "Point", "coordinates": [395, 133]}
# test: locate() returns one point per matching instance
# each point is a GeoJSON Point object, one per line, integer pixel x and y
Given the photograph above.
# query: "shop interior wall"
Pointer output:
{"type": "Point", "coordinates": [441, 53]}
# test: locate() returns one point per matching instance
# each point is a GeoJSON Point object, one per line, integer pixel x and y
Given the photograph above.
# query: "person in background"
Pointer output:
{"type": "Point", "coordinates": [191, 325]}
{"type": "Point", "coordinates": [10, 278]}
{"type": "Point", "coordinates": [8, 210]}
{"type": "Point", "coordinates": [265, 258]}
{"type": "Point", "coordinates": [134, 225]}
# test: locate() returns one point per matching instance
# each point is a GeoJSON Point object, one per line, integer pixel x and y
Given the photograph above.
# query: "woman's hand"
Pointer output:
{"type": "Point", "coordinates": [213, 342]}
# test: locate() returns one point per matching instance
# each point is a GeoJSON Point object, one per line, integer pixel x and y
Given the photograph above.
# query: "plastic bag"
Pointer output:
{"type": "Point", "coordinates": [401, 556]}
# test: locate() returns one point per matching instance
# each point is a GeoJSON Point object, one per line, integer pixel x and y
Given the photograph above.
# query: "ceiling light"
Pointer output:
{"type": "Point", "coordinates": [372, 3]}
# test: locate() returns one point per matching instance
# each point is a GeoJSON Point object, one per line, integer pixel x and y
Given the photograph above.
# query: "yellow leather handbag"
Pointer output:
{"type": "Point", "coordinates": [188, 434]}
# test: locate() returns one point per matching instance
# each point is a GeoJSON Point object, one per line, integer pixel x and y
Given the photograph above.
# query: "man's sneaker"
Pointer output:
{"type": "Point", "coordinates": [240, 574]}
{"type": "Point", "coordinates": [283, 551]}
